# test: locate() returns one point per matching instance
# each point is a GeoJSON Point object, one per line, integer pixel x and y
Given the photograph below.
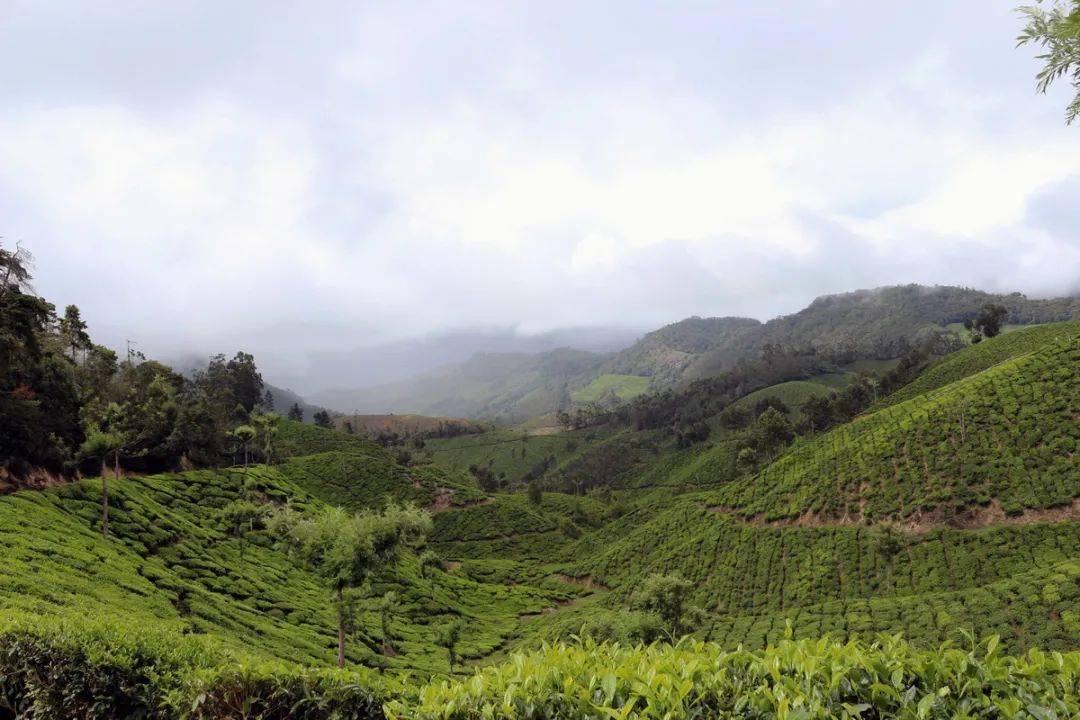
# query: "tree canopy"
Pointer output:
{"type": "Point", "coordinates": [1055, 28]}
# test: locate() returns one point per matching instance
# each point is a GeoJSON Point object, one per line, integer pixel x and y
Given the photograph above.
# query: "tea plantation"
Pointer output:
{"type": "Point", "coordinates": [946, 516]}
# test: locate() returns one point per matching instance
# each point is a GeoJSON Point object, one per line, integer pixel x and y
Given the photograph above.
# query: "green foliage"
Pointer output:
{"type": "Point", "coordinates": [1006, 434]}
{"type": "Point", "coordinates": [346, 550]}
{"type": "Point", "coordinates": [1056, 30]}
{"type": "Point", "coordinates": [668, 597]}
{"type": "Point", "coordinates": [886, 678]}
{"type": "Point", "coordinates": [89, 669]}
{"type": "Point", "coordinates": [839, 578]}
{"type": "Point", "coordinates": [976, 358]}
{"type": "Point", "coordinates": [610, 386]}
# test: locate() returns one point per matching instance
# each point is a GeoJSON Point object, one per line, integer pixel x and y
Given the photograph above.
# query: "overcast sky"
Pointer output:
{"type": "Point", "coordinates": [302, 177]}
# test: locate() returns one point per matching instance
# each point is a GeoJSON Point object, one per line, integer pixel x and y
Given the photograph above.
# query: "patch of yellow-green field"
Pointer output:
{"type": "Point", "coordinates": [623, 387]}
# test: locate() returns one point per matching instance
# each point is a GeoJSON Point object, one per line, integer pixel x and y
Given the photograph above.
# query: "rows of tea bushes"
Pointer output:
{"type": "Point", "coordinates": [740, 568]}
{"type": "Point", "coordinates": [1009, 433]}
{"type": "Point", "coordinates": [90, 670]}
{"type": "Point", "coordinates": [1033, 609]}
{"type": "Point", "coordinates": [507, 515]}
{"type": "Point", "coordinates": [1037, 608]}
{"type": "Point", "coordinates": [170, 558]}
{"type": "Point", "coordinates": [509, 454]}
{"type": "Point", "coordinates": [984, 355]}
{"type": "Point", "coordinates": [356, 480]}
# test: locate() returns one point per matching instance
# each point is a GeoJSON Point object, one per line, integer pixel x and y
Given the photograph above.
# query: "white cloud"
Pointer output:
{"type": "Point", "coordinates": [517, 165]}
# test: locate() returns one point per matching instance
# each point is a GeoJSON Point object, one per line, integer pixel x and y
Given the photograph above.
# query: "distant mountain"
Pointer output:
{"type": "Point", "coordinates": [501, 387]}
{"type": "Point", "coordinates": [665, 354]}
{"type": "Point", "coordinates": [375, 365]}
{"type": "Point", "coordinates": [285, 398]}
{"type": "Point", "coordinates": [877, 324]}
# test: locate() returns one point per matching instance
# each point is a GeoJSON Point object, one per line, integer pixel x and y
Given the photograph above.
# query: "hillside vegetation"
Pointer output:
{"type": "Point", "coordinates": [865, 325]}
{"type": "Point", "coordinates": [1007, 434]}
{"type": "Point", "coordinates": [728, 547]}
{"type": "Point", "coordinates": [171, 560]}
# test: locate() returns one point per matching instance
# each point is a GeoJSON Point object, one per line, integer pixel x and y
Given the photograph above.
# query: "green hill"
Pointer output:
{"type": "Point", "coordinates": [951, 505]}
{"type": "Point", "coordinates": [1007, 435]}
{"type": "Point", "coordinates": [618, 387]}
{"type": "Point", "coordinates": [983, 356]}
{"type": "Point", "coordinates": [169, 561]}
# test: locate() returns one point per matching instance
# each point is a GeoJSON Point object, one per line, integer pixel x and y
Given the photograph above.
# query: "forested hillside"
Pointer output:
{"type": "Point", "coordinates": [839, 331]}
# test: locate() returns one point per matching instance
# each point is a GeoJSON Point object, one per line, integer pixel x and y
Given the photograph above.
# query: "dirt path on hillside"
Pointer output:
{"type": "Point", "coordinates": [922, 522]}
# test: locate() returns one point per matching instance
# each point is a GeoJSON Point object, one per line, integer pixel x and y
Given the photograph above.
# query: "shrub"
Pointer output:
{"type": "Point", "coordinates": [809, 679]}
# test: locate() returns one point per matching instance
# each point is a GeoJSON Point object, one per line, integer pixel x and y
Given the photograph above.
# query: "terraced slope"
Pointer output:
{"type": "Point", "coordinates": [976, 358]}
{"type": "Point", "coordinates": [767, 573]}
{"type": "Point", "coordinates": [1007, 435]}
{"type": "Point", "coordinates": [170, 562]}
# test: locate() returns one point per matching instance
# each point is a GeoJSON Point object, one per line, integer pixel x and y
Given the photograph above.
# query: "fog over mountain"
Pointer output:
{"type": "Point", "coordinates": [307, 183]}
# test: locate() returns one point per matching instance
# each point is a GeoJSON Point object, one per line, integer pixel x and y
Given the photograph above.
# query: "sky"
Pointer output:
{"type": "Point", "coordinates": [297, 179]}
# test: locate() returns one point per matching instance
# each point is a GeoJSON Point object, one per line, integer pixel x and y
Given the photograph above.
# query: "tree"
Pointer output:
{"type": "Point", "coordinates": [268, 401]}
{"type": "Point", "coordinates": [772, 430]}
{"type": "Point", "coordinates": [388, 608]}
{"type": "Point", "coordinates": [322, 419]}
{"type": "Point", "coordinates": [668, 597]}
{"type": "Point", "coordinates": [268, 425]}
{"type": "Point", "coordinates": [448, 637]}
{"type": "Point", "coordinates": [241, 518]}
{"type": "Point", "coordinates": [296, 413]}
{"type": "Point", "coordinates": [102, 441]}
{"type": "Point", "coordinates": [74, 330]}
{"type": "Point", "coordinates": [989, 319]}
{"type": "Point", "coordinates": [429, 563]}
{"type": "Point", "coordinates": [244, 435]}
{"type": "Point", "coordinates": [536, 493]}
{"type": "Point", "coordinates": [1055, 28]}
{"type": "Point", "coordinates": [346, 549]}
{"type": "Point", "coordinates": [247, 383]}
{"type": "Point", "coordinates": [15, 268]}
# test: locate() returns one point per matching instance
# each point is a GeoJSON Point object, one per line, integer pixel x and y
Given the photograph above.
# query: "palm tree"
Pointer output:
{"type": "Point", "coordinates": [244, 434]}
{"type": "Point", "coordinates": [102, 440]}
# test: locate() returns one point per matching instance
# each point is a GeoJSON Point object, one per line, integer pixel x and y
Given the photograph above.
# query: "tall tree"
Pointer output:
{"type": "Point", "coordinates": [346, 549]}
{"type": "Point", "coordinates": [990, 318]}
{"type": "Point", "coordinates": [296, 413]}
{"type": "Point", "coordinates": [102, 441]}
{"type": "Point", "coordinates": [74, 330]}
{"type": "Point", "coordinates": [1055, 28]}
{"type": "Point", "coordinates": [15, 267]}
{"type": "Point", "coordinates": [448, 637]}
{"type": "Point", "coordinates": [241, 517]}
{"type": "Point", "coordinates": [247, 383]}
{"type": "Point", "coordinates": [268, 425]}
{"type": "Point", "coordinates": [244, 436]}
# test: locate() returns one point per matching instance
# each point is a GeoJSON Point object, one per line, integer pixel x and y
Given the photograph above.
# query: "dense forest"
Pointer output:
{"type": "Point", "coordinates": [68, 404]}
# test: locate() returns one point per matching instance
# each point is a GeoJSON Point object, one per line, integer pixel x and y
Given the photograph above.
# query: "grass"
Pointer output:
{"type": "Point", "coordinates": [793, 394]}
{"type": "Point", "coordinates": [623, 387]}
